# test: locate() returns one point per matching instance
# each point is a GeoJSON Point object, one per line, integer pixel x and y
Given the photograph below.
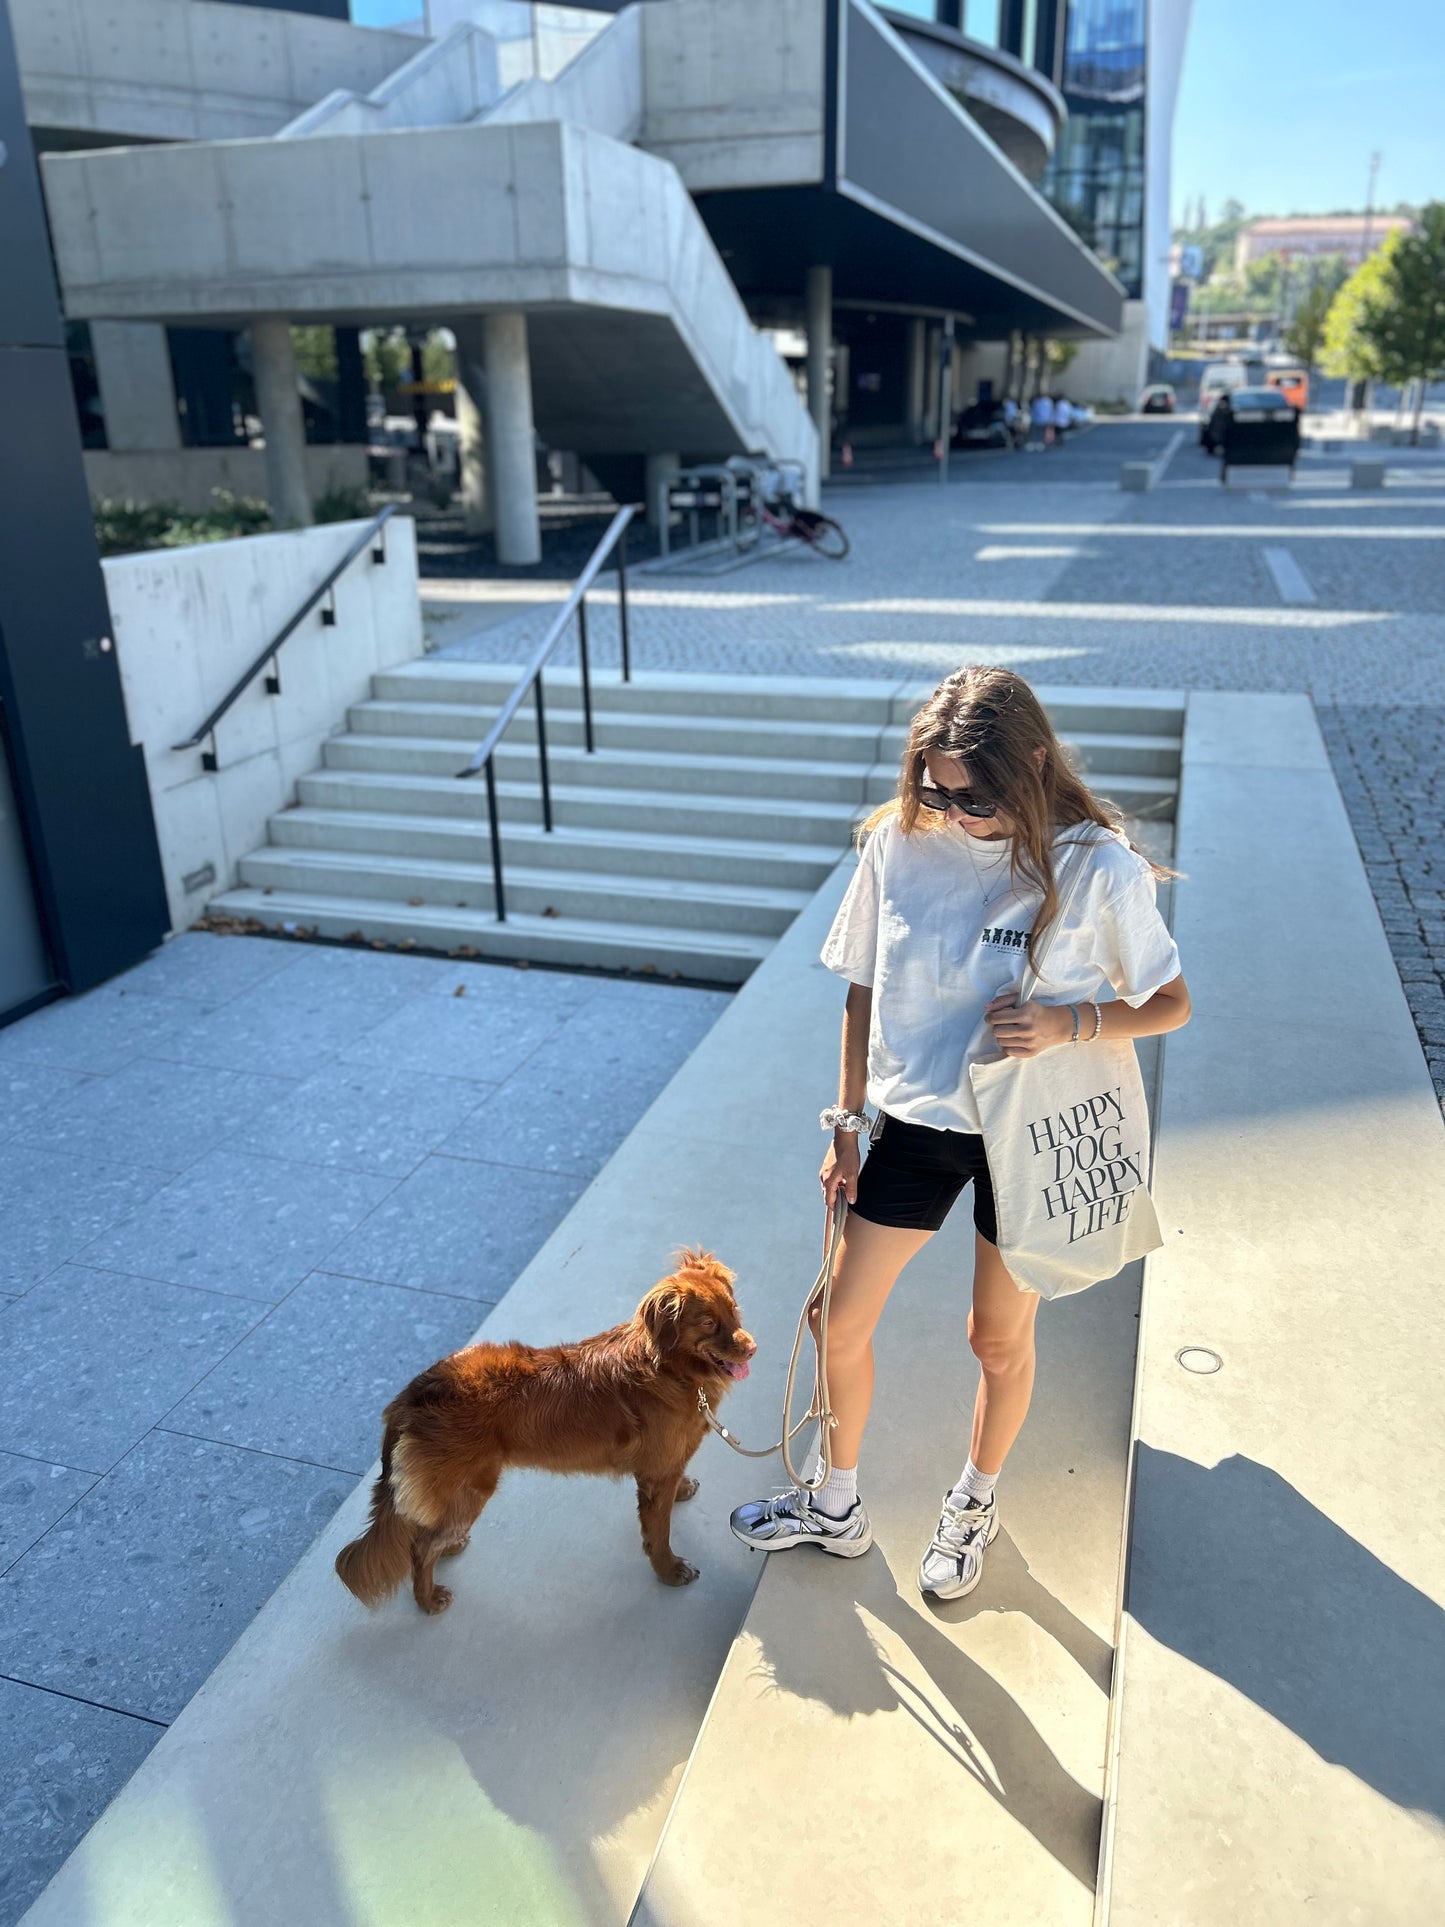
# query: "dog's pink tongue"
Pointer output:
{"type": "Point", "coordinates": [740, 1369]}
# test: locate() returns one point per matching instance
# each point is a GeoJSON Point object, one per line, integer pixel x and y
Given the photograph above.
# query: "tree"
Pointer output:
{"type": "Point", "coordinates": [1349, 347]}
{"type": "Point", "coordinates": [315, 352]}
{"type": "Point", "coordinates": [1304, 336]}
{"type": "Point", "coordinates": [1403, 319]}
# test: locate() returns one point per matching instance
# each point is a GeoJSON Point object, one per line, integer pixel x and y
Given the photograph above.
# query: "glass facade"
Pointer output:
{"type": "Point", "coordinates": [1096, 176]}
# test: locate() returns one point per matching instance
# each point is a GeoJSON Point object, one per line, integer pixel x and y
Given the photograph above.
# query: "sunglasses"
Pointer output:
{"type": "Point", "coordinates": [933, 798]}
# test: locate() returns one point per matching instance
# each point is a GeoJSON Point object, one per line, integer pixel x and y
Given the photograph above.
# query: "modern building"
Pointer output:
{"type": "Point", "coordinates": [1305, 237]}
{"type": "Point", "coordinates": [680, 176]}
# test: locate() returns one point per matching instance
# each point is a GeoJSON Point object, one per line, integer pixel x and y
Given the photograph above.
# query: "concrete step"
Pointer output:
{"type": "Point", "coordinates": [1096, 753]}
{"type": "Point", "coordinates": [639, 853]}
{"type": "Point", "coordinates": [875, 704]}
{"type": "Point", "coordinates": [649, 734]}
{"type": "Point", "coordinates": [422, 883]}
{"type": "Point", "coordinates": [806, 699]}
{"type": "Point", "coordinates": [1148, 796]}
{"type": "Point", "coordinates": [717, 956]}
{"type": "Point", "coordinates": [584, 807]}
{"type": "Point", "coordinates": [711, 775]}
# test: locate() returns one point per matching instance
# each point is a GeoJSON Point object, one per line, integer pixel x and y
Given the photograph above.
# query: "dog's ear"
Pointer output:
{"type": "Point", "coordinates": [661, 1313]}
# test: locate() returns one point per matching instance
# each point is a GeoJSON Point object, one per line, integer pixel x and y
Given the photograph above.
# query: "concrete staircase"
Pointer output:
{"type": "Point", "coordinates": [711, 810]}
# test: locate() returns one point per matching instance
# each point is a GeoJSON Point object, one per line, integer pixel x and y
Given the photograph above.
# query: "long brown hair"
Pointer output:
{"type": "Point", "coordinates": [991, 720]}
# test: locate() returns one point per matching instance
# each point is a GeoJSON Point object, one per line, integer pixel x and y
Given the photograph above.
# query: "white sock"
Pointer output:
{"type": "Point", "coordinates": [839, 1492]}
{"type": "Point", "coordinates": [973, 1486]}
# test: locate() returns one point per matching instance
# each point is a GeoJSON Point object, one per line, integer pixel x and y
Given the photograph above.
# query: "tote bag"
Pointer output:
{"type": "Point", "coordinates": [1067, 1139]}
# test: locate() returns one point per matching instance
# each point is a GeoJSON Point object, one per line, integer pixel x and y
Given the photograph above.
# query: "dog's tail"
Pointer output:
{"type": "Point", "coordinates": [374, 1565]}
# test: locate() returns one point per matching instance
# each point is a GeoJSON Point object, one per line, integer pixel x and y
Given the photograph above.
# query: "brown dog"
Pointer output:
{"type": "Point", "coordinates": [624, 1402]}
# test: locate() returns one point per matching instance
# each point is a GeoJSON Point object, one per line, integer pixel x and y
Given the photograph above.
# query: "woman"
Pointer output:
{"type": "Point", "coordinates": [955, 889]}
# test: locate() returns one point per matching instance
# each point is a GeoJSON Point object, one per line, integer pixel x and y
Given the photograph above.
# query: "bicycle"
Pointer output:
{"type": "Point", "coordinates": [786, 519]}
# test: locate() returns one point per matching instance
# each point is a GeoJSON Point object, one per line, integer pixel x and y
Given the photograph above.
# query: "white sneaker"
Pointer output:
{"type": "Point", "coordinates": [791, 1519]}
{"type": "Point", "coordinates": [953, 1562]}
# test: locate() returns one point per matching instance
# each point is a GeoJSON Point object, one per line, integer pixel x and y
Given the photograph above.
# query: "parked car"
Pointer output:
{"type": "Point", "coordinates": [1256, 403]}
{"type": "Point", "coordinates": [1292, 383]}
{"type": "Point", "coordinates": [982, 425]}
{"type": "Point", "coordinates": [1158, 399]}
{"type": "Point", "coordinates": [1218, 378]}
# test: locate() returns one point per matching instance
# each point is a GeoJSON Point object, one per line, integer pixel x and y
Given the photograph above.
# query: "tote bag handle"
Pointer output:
{"type": "Point", "coordinates": [1030, 980]}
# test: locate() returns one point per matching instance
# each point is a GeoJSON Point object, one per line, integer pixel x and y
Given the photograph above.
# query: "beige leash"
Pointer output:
{"type": "Point", "coordinates": [820, 1408]}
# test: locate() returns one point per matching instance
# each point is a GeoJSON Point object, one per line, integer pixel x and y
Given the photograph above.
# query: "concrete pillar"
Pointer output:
{"type": "Point", "coordinates": [917, 376]}
{"type": "Point", "coordinates": [510, 438]}
{"type": "Point", "coordinates": [931, 385]}
{"type": "Point", "coordinates": [137, 389]}
{"type": "Point", "coordinates": [477, 515]}
{"type": "Point", "coordinates": [278, 402]}
{"type": "Point", "coordinates": [656, 470]}
{"type": "Point", "coordinates": [819, 325]}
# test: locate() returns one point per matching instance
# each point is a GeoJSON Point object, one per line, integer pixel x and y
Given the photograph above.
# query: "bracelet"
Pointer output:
{"type": "Point", "coordinates": [1098, 1021]}
{"type": "Point", "coordinates": [835, 1118]}
{"type": "Point", "coordinates": [1073, 1010]}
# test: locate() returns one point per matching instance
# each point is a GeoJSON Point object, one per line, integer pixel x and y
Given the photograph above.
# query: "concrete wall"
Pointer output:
{"type": "Point", "coordinates": [188, 476]}
{"type": "Point", "coordinates": [188, 621]}
{"type": "Point", "coordinates": [1111, 370]}
{"type": "Point", "coordinates": [601, 89]}
{"type": "Point", "coordinates": [445, 81]}
{"type": "Point", "coordinates": [186, 69]}
{"type": "Point", "coordinates": [1168, 29]}
{"type": "Point", "coordinates": [735, 94]}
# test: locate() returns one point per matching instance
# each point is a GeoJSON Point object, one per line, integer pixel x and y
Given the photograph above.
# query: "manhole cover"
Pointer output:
{"type": "Point", "coordinates": [1198, 1358]}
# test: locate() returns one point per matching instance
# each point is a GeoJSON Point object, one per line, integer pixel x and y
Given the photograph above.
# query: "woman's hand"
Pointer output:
{"type": "Point", "coordinates": [840, 1168]}
{"type": "Point", "coordinates": [1023, 1030]}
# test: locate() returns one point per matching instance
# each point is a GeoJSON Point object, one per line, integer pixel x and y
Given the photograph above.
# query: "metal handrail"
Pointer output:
{"type": "Point", "coordinates": [272, 649]}
{"type": "Point", "coordinates": [531, 679]}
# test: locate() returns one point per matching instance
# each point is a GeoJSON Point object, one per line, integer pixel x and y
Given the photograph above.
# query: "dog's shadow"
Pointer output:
{"type": "Point", "coordinates": [597, 1632]}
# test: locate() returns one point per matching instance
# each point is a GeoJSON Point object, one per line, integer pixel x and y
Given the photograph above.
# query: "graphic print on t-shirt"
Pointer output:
{"type": "Point", "coordinates": [1003, 939]}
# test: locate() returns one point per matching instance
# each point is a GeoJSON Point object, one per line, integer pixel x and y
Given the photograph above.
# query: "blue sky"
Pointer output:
{"type": "Point", "coordinates": [1282, 102]}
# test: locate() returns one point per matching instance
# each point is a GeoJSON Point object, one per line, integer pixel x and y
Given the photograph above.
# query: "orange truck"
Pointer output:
{"type": "Point", "coordinates": [1293, 384]}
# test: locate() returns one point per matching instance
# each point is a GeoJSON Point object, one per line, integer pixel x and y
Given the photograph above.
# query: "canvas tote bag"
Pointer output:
{"type": "Point", "coordinates": [1067, 1139]}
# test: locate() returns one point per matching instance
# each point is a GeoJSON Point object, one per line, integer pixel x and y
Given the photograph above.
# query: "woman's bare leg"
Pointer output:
{"type": "Point", "coordinates": [1001, 1332]}
{"type": "Point", "coordinates": [869, 1262]}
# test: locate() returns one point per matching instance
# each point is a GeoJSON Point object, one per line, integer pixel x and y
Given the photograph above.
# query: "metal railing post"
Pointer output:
{"type": "Point", "coordinates": [542, 754]}
{"type": "Point", "coordinates": [501, 902]}
{"type": "Point", "coordinates": [586, 676]}
{"type": "Point", "coordinates": [622, 605]}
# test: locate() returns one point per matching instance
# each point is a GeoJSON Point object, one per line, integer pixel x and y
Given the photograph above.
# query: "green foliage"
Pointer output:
{"type": "Point", "coordinates": [387, 354]}
{"type": "Point", "coordinates": [1349, 346]}
{"type": "Point", "coordinates": [315, 352]}
{"type": "Point", "coordinates": [1304, 336]}
{"type": "Point", "coordinates": [125, 527]}
{"type": "Point", "coordinates": [342, 504]}
{"type": "Point", "coordinates": [1404, 318]}
{"type": "Point", "coordinates": [387, 357]}
{"type": "Point", "coordinates": [1058, 355]}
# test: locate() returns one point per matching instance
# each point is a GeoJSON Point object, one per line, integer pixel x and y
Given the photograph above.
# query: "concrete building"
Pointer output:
{"type": "Point", "coordinates": [674, 179]}
{"type": "Point", "coordinates": [1305, 237]}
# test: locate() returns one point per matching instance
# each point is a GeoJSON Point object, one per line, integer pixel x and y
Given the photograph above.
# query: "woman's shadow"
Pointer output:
{"type": "Point", "coordinates": [816, 1645]}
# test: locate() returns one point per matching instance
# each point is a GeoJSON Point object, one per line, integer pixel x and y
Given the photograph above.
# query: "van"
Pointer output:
{"type": "Point", "coordinates": [1219, 378]}
{"type": "Point", "coordinates": [1293, 384]}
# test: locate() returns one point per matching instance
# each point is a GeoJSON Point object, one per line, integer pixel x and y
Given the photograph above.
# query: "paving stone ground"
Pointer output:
{"type": "Point", "coordinates": [1044, 563]}
{"type": "Point", "coordinates": [247, 1189]}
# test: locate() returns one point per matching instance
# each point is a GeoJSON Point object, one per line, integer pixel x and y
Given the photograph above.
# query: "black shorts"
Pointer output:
{"type": "Point", "coordinates": [913, 1173]}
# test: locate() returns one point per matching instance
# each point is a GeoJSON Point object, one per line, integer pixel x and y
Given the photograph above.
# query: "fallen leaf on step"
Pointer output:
{"type": "Point", "coordinates": [414, 901]}
{"type": "Point", "coordinates": [649, 970]}
{"type": "Point", "coordinates": [523, 963]}
{"type": "Point", "coordinates": [550, 912]}
{"type": "Point", "coordinates": [460, 991]}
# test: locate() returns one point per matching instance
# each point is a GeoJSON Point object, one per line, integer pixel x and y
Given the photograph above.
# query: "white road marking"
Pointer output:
{"type": "Point", "coordinates": [1289, 577]}
{"type": "Point", "coordinates": [997, 553]}
{"type": "Point", "coordinates": [984, 608]}
{"type": "Point", "coordinates": [1233, 532]}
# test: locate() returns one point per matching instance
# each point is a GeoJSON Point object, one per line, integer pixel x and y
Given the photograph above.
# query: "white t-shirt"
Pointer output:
{"type": "Point", "coordinates": [1041, 409]}
{"type": "Point", "coordinates": [935, 925]}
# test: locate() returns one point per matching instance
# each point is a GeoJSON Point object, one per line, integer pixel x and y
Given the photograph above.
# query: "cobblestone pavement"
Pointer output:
{"type": "Point", "coordinates": [1043, 562]}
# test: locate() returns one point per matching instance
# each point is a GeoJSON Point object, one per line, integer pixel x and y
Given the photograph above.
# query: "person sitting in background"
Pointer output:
{"type": "Point", "coordinates": [1041, 422]}
{"type": "Point", "coordinates": [1063, 416]}
{"type": "Point", "coordinates": [1009, 409]}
